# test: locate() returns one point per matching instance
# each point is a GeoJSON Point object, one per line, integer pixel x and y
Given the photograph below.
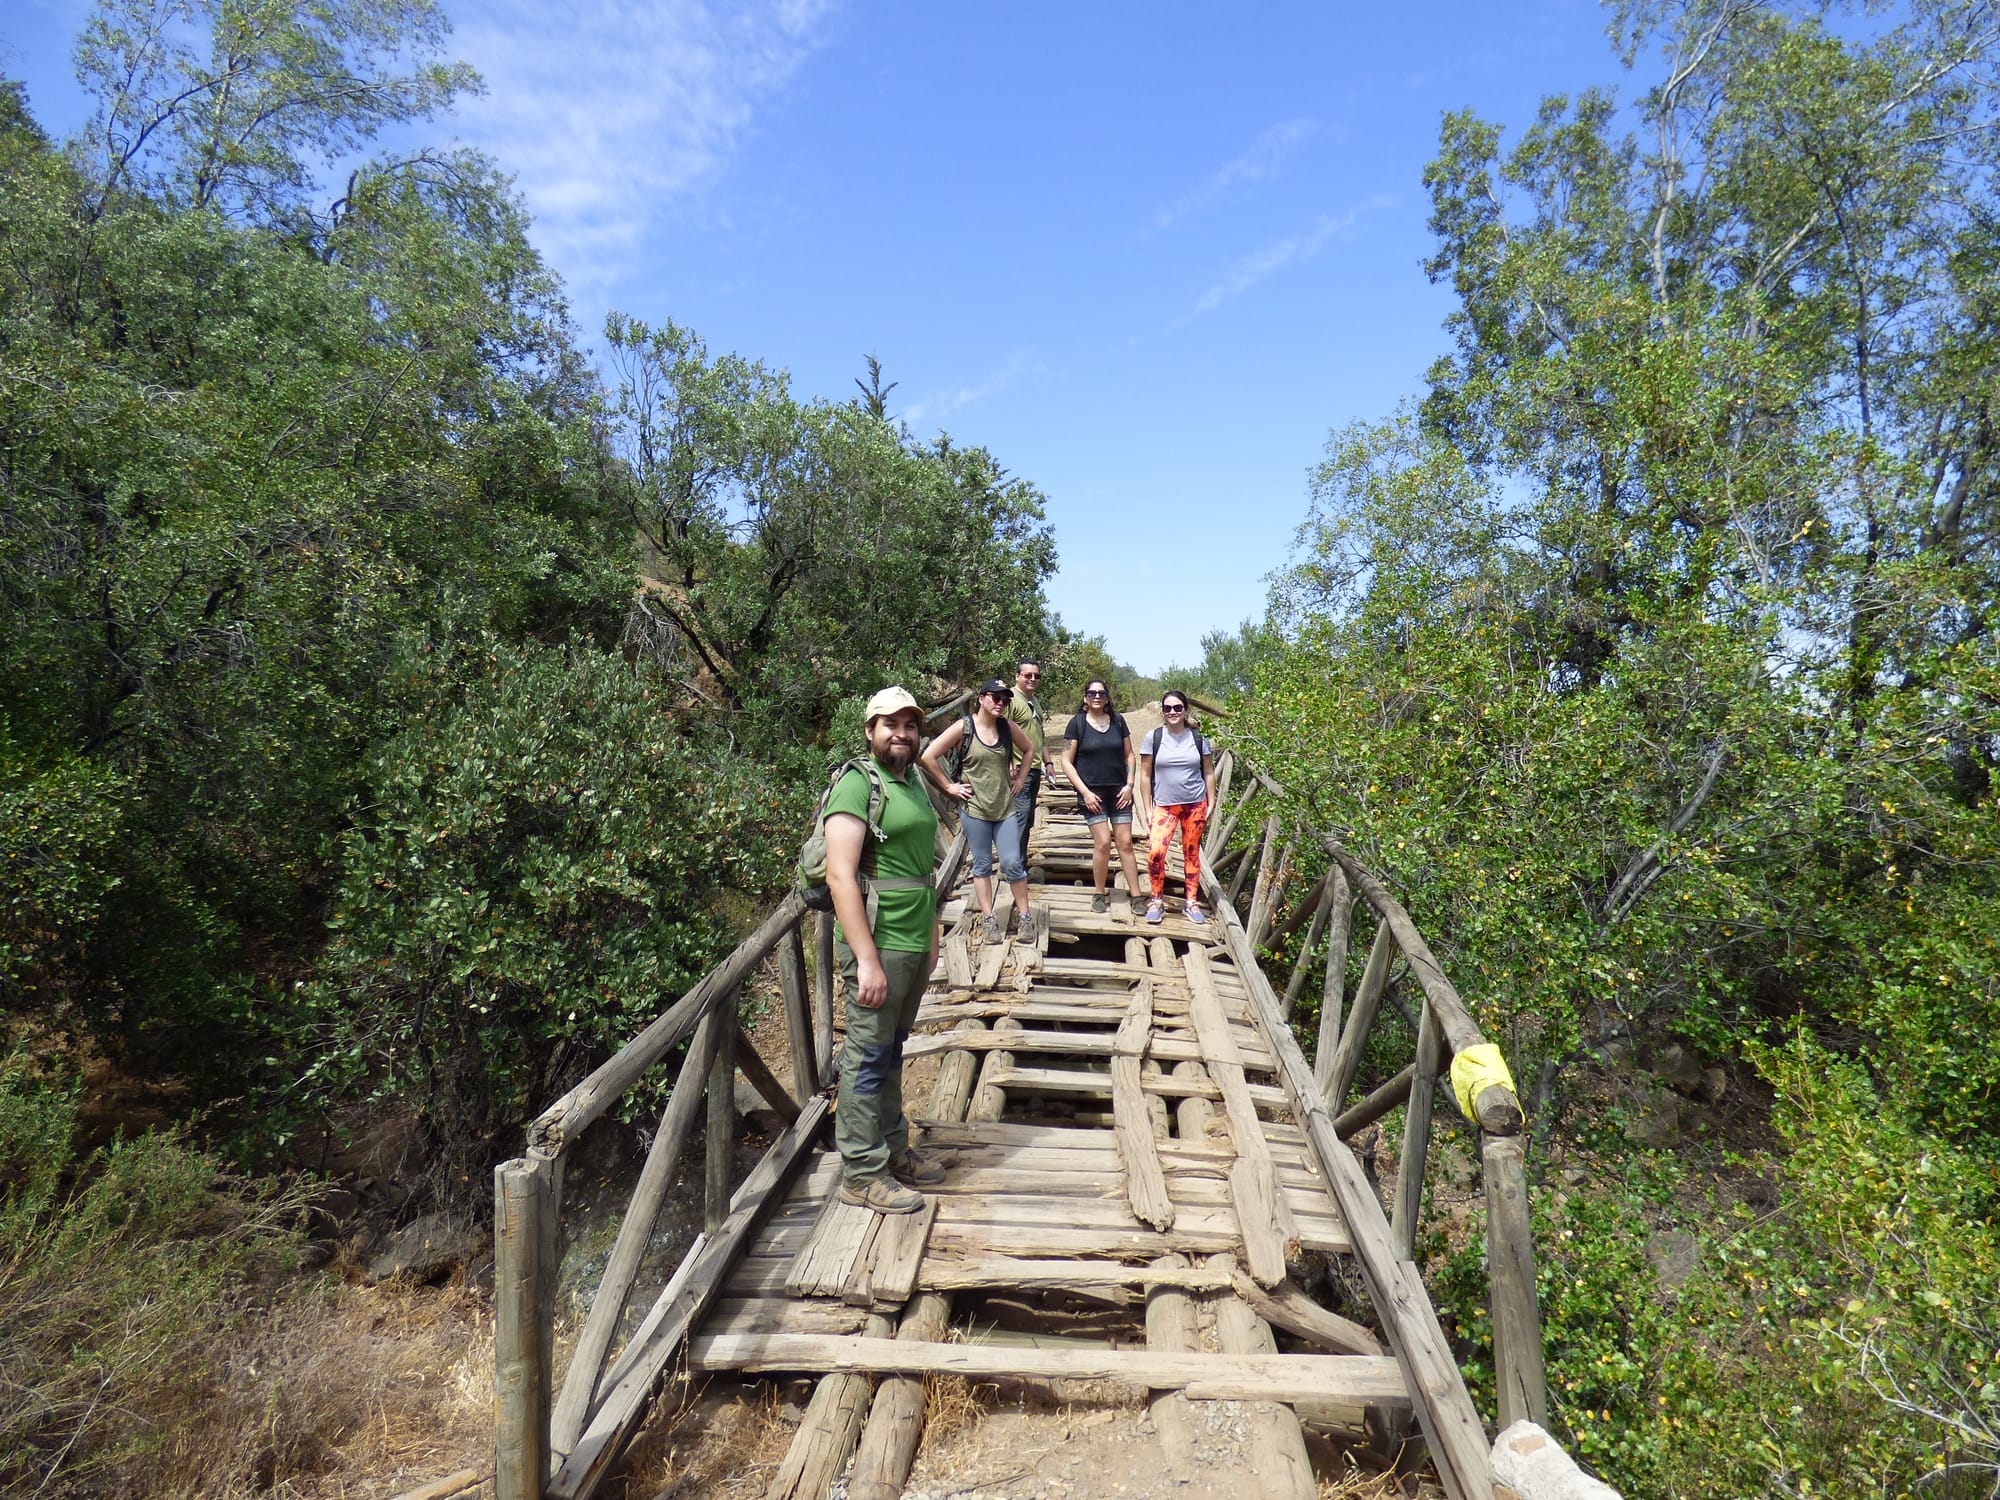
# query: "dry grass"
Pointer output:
{"type": "Point", "coordinates": [709, 1438]}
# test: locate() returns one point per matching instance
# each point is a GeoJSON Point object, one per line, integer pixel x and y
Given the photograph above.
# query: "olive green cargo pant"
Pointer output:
{"type": "Point", "coordinates": [868, 1122]}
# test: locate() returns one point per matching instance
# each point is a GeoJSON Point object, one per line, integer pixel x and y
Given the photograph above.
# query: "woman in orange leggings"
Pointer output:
{"type": "Point", "coordinates": [1176, 772]}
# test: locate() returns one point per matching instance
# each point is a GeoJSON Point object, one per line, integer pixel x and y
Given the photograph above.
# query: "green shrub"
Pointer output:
{"type": "Point", "coordinates": [550, 859]}
{"type": "Point", "coordinates": [117, 1272]}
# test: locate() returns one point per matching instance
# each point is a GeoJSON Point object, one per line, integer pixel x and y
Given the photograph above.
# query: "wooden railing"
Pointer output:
{"type": "Point", "coordinates": [562, 1444]}
{"type": "Point", "coordinates": [1444, 1030]}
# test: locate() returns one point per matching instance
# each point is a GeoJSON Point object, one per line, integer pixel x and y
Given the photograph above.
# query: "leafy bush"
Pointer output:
{"type": "Point", "coordinates": [117, 1271]}
{"type": "Point", "coordinates": [549, 859]}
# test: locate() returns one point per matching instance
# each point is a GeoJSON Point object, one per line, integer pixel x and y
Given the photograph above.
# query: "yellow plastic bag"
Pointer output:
{"type": "Point", "coordinates": [1474, 1071]}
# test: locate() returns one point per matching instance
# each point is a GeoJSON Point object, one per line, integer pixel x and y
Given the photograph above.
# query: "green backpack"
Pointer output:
{"type": "Point", "coordinates": [810, 879]}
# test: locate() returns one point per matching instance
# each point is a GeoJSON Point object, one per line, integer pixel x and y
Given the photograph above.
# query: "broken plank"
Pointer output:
{"type": "Point", "coordinates": [1355, 1378]}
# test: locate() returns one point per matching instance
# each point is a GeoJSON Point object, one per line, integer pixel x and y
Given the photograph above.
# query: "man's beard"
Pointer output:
{"type": "Point", "coordinates": [896, 756]}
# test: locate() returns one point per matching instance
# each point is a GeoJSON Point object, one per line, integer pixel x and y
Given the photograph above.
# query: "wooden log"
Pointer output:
{"type": "Point", "coordinates": [1170, 1328]}
{"type": "Point", "coordinates": [1510, 1260]}
{"type": "Point", "coordinates": [1354, 1378]}
{"type": "Point", "coordinates": [1271, 886]}
{"type": "Point", "coordinates": [1498, 1111]}
{"type": "Point", "coordinates": [823, 995]}
{"type": "Point", "coordinates": [1287, 1306]}
{"type": "Point", "coordinates": [757, 1073]}
{"type": "Point", "coordinates": [521, 1191]}
{"type": "Point", "coordinates": [1340, 925]}
{"type": "Point", "coordinates": [1354, 1036]}
{"type": "Point", "coordinates": [1301, 911]}
{"type": "Point", "coordinates": [720, 1132]}
{"type": "Point", "coordinates": [1243, 873]}
{"type": "Point", "coordinates": [1145, 1182]}
{"type": "Point", "coordinates": [621, 1269]}
{"type": "Point", "coordinates": [1277, 1447]}
{"type": "Point", "coordinates": [1269, 1229]}
{"type": "Point", "coordinates": [1224, 774]}
{"type": "Point", "coordinates": [696, 1283]}
{"type": "Point", "coordinates": [1235, 816]}
{"type": "Point", "coordinates": [826, 1434]}
{"type": "Point", "coordinates": [1451, 1426]}
{"type": "Point", "coordinates": [1416, 1138]}
{"type": "Point", "coordinates": [446, 1488]}
{"type": "Point", "coordinates": [798, 1013]}
{"type": "Point", "coordinates": [1193, 1113]}
{"type": "Point", "coordinates": [1377, 1104]}
{"type": "Point", "coordinates": [563, 1121]}
{"type": "Point", "coordinates": [1297, 983]}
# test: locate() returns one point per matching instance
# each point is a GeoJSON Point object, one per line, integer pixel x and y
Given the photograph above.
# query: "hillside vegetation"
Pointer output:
{"type": "Point", "coordinates": [1650, 652]}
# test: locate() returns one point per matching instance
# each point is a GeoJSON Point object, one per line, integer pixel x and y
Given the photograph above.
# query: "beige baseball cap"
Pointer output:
{"type": "Point", "coordinates": [891, 700]}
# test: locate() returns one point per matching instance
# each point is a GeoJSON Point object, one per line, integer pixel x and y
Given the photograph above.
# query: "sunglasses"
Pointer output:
{"type": "Point", "coordinates": [1173, 708]}
{"type": "Point", "coordinates": [1095, 693]}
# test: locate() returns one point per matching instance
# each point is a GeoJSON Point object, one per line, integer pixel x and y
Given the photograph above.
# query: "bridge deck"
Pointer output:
{"type": "Point", "coordinates": [1111, 1122]}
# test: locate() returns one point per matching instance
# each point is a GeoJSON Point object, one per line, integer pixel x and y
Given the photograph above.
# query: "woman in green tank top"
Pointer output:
{"type": "Point", "coordinates": [995, 766]}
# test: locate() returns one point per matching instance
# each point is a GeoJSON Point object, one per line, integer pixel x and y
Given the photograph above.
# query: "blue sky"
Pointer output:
{"type": "Point", "coordinates": [1149, 255]}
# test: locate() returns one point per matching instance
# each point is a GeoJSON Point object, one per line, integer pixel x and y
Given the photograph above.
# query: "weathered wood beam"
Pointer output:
{"type": "Point", "coordinates": [1515, 1305]}
{"type": "Point", "coordinates": [521, 1353]}
{"type": "Point", "coordinates": [1376, 1105]}
{"type": "Point", "coordinates": [1346, 1059]}
{"type": "Point", "coordinates": [1416, 1137]}
{"type": "Point", "coordinates": [798, 1013]}
{"type": "Point", "coordinates": [1498, 1110]}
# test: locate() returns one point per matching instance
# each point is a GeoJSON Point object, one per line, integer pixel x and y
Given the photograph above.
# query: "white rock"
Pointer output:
{"type": "Point", "coordinates": [1529, 1461]}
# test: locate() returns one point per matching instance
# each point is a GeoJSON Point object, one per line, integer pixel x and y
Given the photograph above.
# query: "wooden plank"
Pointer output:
{"type": "Point", "coordinates": [1069, 1081]}
{"type": "Point", "coordinates": [898, 1254]}
{"type": "Point", "coordinates": [1354, 1378]}
{"type": "Point", "coordinates": [1196, 1234]}
{"type": "Point", "coordinates": [696, 1282]}
{"type": "Point", "coordinates": [1145, 1182]}
{"type": "Point", "coordinates": [757, 1073]}
{"type": "Point", "coordinates": [782, 1315]}
{"type": "Point", "coordinates": [1082, 1044]}
{"type": "Point", "coordinates": [1451, 1426]}
{"type": "Point", "coordinates": [1287, 1306]}
{"type": "Point", "coordinates": [984, 1272]}
{"type": "Point", "coordinates": [822, 1267]}
{"type": "Point", "coordinates": [957, 961]}
{"type": "Point", "coordinates": [854, 1289]}
{"type": "Point", "coordinates": [1269, 1229]}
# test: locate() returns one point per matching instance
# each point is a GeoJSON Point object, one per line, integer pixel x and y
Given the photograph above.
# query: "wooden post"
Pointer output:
{"type": "Point", "coordinates": [1273, 894]}
{"type": "Point", "coordinates": [1260, 890]}
{"type": "Point", "coordinates": [823, 997]}
{"type": "Point", "coordinates": [721, 1130]}
{"type": "Point", "coordinates": [1367, 1000]}
{"type": "Point", "coordinates": [1510, 1262]}
{"type": "Point", "coordinates": [621, 1268]}
{"type": "Point", "coordinates": [1377, 1104]}
{"type": "Point", "coordinates": [521, 1191]}
{"type": "Point", "coordinates": [798, 1015]}
{"type": "Point", "coordinates": [1223, 774]}
{"type": "Point", "coordinates": [1321, 907]}
{"type": "Point", "coordinates": [1416, 1137]}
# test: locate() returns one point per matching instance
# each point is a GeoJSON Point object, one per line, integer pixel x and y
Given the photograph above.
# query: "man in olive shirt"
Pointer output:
{"type": "Point", "coordinates": [887, 961]}
{"type": "Point", "coordinates": [1026, 710]}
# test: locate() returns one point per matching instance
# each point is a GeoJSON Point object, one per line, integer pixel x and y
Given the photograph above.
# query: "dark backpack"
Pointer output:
{"type": "Point", "coordinates": [810, 878]}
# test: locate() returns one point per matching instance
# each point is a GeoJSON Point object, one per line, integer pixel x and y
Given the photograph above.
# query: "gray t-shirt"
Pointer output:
{"type": "Point", "coordinates": [1177, 778]}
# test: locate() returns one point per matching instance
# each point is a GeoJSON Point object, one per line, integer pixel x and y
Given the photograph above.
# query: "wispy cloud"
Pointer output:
{"type": "Point", "coordinates": [1266, 261]}
{"type": "Point", "coordinates": [610, 112]}
{"type": "Point", "coordinates": [1262, 160]}
{"type": "Point", "coordinates": [1021, 362]}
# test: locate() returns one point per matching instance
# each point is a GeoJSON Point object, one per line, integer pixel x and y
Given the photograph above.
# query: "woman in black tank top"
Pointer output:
{"type": "Point", "coordinates": [1097, 759]}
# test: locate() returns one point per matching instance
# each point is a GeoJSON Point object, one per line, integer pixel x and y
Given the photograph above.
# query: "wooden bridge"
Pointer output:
{"type": "Point", "coordinates": [1128, 1127]}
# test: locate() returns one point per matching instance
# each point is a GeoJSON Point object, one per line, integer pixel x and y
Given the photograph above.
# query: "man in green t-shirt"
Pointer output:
{"type": "Point", "coordinates": [886, 962]}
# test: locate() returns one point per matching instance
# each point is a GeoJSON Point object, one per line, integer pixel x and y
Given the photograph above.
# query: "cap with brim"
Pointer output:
{"type": "Point", "coordinates": [891, 700]}
{"type": "Point", "coordinates": [995, 685]}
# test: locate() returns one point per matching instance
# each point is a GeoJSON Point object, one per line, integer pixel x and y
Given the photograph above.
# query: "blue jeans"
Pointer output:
{"type": "Point", "coordinates": [982, 837]}
{"type": "Point", "coordinates": [1024, 806]}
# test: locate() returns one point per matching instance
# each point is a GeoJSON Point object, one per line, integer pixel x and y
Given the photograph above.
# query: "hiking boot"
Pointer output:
{"type": "Point", "coordinates": [1101, 901]}
{"type": "Point", "coordinates": [1138, 906]}
{"type": "Point", "coordinates": [917, 1169]}
{"type": "Point", "coordinates": [990, 928]}
{"type": "Point", "coordinates": [1156, 912]}
{"type": "Point", "coordinates": [1194, 914]}
{"type": "Point", "coordinates": [1031, 921]}
{"type": "Point", "coordinates": [883, 1194]}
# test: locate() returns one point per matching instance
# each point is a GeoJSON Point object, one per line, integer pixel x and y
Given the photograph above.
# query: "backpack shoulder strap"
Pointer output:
{"type": "Point", "coordinates": [1152, 741]}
